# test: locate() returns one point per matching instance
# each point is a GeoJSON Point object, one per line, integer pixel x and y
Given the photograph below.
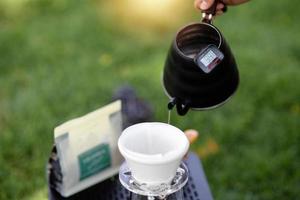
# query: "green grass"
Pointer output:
{"type": "Point", "coordinates": [62, 59]}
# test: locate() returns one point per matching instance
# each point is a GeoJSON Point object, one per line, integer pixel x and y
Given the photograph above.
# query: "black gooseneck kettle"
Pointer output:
{"type": "Point", "coordinates": [200, 71]}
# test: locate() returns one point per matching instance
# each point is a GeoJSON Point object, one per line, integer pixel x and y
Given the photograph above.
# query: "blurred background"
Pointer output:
{"type": "Point", "coordinates": [60, 59]}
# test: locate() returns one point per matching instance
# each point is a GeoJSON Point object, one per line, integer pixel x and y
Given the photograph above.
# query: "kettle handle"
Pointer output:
{"type": "Point", "coordinates": [207, 15]}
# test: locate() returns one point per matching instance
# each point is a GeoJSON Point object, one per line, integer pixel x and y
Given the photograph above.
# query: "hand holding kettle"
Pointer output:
{"type": "Point", "coordinates": [221, 7]}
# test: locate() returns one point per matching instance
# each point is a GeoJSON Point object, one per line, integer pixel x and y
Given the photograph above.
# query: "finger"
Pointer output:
{"type": "Point", "coordinates": [197, 3]}
{"type": "Point", "coordinates": [220, 6]}
{"type": "Point", "coordinates": [192, 135]}
{"type": "Point", "coordinates": [203, 4]}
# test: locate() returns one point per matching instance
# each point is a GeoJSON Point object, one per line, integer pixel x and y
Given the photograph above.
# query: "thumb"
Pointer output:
{"type": "Point", "coordinates": [205, 4]}
{"type": "Point", "coordinates": [192, 135]}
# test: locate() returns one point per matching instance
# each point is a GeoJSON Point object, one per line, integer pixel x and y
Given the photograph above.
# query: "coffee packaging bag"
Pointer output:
{"type": "Point", "coordinates": [87, 149]}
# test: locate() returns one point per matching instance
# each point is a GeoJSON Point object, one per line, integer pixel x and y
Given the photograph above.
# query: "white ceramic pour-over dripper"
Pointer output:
{"type": "Point", "coordinates": [153, 151]}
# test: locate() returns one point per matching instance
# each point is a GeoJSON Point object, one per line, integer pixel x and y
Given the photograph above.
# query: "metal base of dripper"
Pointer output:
{"type": "Point", "coordinates": [142, 191]}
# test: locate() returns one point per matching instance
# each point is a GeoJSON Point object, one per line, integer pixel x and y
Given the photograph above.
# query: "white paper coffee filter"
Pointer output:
{"type": "Point", "coordinates": [153, 151]}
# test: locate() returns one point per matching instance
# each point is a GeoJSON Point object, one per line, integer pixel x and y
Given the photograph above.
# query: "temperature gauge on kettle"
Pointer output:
{"type": "Point", "coordinates": [209, 58]}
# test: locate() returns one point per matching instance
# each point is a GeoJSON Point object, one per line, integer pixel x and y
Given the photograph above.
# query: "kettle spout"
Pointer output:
{"type": "Point", "coordinates": [182, 108]}
{"type": "Point", "coordinates": [171, 104]}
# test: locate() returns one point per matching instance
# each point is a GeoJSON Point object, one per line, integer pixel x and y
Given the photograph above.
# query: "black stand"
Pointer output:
{"type": "Point", "coordinates": [196, 189]}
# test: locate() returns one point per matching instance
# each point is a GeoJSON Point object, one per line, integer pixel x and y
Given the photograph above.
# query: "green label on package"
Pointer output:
{"type": "Point", "coordinates": [94, 160]}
